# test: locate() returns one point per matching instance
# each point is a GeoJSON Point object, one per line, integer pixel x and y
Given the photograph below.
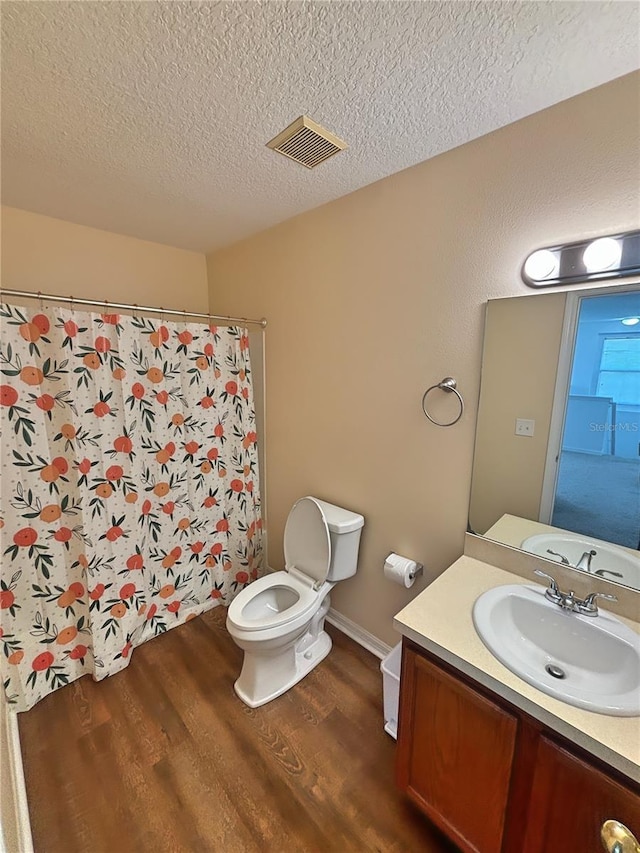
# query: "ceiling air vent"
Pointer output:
{"type": "Point", "coordinates": [307, 142]}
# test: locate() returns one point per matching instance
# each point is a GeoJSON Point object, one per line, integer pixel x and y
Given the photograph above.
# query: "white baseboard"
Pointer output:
{"type": "Point", "coordinates": [360, 635]}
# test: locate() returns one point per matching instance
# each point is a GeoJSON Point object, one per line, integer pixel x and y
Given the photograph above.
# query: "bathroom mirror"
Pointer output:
{"type": "Point", "coordinates": [557, 457]}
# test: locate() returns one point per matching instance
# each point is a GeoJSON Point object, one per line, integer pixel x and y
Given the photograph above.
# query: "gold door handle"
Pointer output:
{"type": "Point", "coordinates": [616, 838]}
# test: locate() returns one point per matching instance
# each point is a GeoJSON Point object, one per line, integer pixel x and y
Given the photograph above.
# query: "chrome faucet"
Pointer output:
{"type": "Point", "coordinates": [567, 600]}
{"type": "Point", "coordinates": [584, 562]}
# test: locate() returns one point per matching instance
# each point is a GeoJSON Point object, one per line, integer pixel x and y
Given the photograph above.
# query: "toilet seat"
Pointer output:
{"type": "Point", "coordinates": [256, 608]}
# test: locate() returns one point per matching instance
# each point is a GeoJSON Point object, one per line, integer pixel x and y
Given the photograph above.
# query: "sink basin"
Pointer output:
{"type": "Point", "coordinates": [608, 562]}
{"type": "Point", "coordinates": [590, 662]}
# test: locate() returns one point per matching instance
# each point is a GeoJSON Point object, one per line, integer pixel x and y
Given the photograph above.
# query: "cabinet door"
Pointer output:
{"type": "Point", "coordinates": [455, 754]}
{"type": "Point", "coordinates": [570, 801]}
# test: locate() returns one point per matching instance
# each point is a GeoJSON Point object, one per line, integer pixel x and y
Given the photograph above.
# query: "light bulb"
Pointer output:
{"type": "Point", "coordinates": [541, 265]}
{"type": "Point", "coordinates": [630, 321]}
{"type": "Point", "coordinates": [602, 254]}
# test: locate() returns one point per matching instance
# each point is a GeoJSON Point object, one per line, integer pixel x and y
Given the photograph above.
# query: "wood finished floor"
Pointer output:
{"type": "Point", "coordinates": [164, 757]}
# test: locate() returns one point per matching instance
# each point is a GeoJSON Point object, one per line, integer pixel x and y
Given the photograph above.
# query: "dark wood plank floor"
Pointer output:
{"type": "Point", "coordinates": [164, 757]}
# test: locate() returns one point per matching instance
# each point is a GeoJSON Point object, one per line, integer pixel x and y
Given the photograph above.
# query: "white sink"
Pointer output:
{"type": "Point", "coordinates": [609, 562]}
{"type": "Point", "coordinates": [598, 657]}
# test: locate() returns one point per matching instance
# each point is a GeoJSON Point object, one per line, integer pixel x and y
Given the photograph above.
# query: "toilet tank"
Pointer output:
{"type": "Point", "coordinates": [345, 528]}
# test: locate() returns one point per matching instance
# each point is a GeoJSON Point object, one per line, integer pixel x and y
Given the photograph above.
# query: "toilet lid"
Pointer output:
{"type": "Point", "coordinates": [307, 544]}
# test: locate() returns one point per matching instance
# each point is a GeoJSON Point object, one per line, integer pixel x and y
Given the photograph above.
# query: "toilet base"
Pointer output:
{"type": "Point", "coordinates": [265, 677]}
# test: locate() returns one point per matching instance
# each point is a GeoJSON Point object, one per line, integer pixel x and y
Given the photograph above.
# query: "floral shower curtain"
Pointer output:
{"type": "Point", "coordinates": [130, 495]}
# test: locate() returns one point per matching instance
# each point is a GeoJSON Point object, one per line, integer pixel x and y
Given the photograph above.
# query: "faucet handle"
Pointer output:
{"type": "Point", "coordinates": [593, 595]}
{"type": "Point", "coordinates": [563, 559]}
{"type": "Point", "coordinates": [588, 606]}
{"type": "Point", "coordinates": [553, 584]}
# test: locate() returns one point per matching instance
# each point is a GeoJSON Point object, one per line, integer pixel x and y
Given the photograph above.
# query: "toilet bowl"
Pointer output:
{"type": "Point", "coordinates": [278, 620]}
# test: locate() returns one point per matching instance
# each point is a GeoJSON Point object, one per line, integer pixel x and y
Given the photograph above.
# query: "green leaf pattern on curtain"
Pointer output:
{"type": "Point", "coordinates": [130, 497]}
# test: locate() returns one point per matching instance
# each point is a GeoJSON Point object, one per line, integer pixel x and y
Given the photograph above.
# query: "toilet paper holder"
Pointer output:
{"type": "Point", "coordinates": [415, 573]}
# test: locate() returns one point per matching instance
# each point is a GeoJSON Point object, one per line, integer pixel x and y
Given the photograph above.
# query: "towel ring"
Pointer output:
{"type": "Point", "coordinates": [449, 385]}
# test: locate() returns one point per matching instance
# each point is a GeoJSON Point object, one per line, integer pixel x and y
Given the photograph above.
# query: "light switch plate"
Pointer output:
{"type": "Point", "coordinates": [525, 427]}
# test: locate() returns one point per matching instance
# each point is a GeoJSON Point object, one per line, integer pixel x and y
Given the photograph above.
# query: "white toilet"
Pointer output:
{"type": "Point", "coordinates": [278, 620]}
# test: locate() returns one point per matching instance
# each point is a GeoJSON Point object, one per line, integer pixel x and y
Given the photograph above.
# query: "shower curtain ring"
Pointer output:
{"type": "Point", "coordinates": [40, 300]}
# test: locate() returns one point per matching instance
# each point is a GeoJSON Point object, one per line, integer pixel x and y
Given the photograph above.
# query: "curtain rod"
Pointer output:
{"type": "Point", "coordinates": [105, 304]}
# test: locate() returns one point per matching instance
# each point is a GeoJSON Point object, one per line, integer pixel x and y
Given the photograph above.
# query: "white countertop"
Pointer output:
{"type": "Point", "coordinates": [440, 621]}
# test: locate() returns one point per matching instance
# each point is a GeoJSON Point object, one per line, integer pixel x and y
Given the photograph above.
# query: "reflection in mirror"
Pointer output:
{"type": "Point", "coordinates": [557, 457]}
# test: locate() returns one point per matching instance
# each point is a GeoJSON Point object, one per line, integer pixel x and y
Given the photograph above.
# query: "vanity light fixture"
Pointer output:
{"type": "Point", "coordinates": [630, 321]}
{"type": "Point", "coordinates": [614, 256]}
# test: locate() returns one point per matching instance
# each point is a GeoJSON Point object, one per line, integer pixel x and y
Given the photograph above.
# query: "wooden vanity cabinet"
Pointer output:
{"type": "Point", "coordinates": [472, 753]}
{"type": "Point", "coordinates": [570, 799]}
{"type": "Point", "coordinates": [491, 777]}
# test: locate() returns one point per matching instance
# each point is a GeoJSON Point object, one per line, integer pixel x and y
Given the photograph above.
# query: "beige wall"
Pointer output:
{"type": "Point", "coordinates": [377, 295]}
{"type": "Point", "coordinates": [41, 253]}
{"type": "Point", "coordinates": [519, 365]}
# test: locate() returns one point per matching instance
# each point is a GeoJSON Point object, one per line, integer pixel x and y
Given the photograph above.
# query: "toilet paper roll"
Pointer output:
{"type": "Point", "coordinates": [400, 570]}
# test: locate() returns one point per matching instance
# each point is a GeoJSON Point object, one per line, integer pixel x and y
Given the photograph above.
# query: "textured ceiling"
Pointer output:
{"type": "Point", "coordinates": [150, 119]}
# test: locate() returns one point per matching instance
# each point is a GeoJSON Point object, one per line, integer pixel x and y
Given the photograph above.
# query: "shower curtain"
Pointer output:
{"type": "Point", "coordinates": [130, 497]}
